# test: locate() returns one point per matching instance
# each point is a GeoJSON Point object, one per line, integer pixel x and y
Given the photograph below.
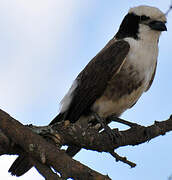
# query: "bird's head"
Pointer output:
{"type": "Point", "coordinates": [142, 21]}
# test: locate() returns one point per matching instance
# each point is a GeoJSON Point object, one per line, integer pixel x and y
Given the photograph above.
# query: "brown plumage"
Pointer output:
{"type": "Point", "coordinates": [116, 77]}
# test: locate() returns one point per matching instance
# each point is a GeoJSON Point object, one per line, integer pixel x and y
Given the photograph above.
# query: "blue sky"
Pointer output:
{"type": "Point", "coordinates": [46, 43]}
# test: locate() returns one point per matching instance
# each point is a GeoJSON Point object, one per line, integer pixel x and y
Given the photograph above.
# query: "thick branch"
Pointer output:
{"type": "Point", "coordinates": [45, 152]}
{"type": "Point", "coordinates": [46, 171]}
{"type": "Point", "coordinates": [73, 134]}
{"type": "Point", "coordinates": [89, 138]}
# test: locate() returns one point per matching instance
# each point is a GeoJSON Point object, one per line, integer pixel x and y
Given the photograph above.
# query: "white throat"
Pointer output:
{"type": "Point", "coordinates": [147, 35]}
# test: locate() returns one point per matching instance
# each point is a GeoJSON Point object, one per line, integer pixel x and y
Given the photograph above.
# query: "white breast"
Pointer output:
{"type": "Point", "coordinates": [142, 56]}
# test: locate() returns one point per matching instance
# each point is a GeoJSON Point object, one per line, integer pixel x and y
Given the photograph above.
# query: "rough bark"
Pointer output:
{"type": "Point", "coordinates": [43, 144]}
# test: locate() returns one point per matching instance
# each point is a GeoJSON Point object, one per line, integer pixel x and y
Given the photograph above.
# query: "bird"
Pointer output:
{"type": "Point", "coordinates": [115, 78]}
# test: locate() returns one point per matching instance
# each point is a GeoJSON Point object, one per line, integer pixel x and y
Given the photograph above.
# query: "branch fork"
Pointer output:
{"type": "Point", "coordinates": [42, 144]}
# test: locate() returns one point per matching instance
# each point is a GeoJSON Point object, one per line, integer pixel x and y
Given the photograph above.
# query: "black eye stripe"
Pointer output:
{"type": "Point", "coordinates": [144, 18]}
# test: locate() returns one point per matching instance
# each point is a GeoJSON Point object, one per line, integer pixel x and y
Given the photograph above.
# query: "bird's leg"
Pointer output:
{"type": "Point", "coordinates": [105, 126]}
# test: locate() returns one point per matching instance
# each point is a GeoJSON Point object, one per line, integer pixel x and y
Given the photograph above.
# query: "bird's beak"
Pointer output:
{"type": "Point", "coordinates": [157, 25]}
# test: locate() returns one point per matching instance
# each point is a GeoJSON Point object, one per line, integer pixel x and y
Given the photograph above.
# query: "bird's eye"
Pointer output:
{"type": "Point", "coordinates": [144, 18]}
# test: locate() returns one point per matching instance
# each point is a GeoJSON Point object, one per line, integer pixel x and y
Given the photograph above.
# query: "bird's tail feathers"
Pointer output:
{"type": "Point", "coordinates": [20, 166]}
{"type": "Point", "coordinates": [72, 150]}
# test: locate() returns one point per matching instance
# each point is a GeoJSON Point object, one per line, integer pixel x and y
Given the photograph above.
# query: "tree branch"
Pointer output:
{"type": "Point", "coordinates": [43, 151]}
{"type": "Point", "coordinates": [89, 138]}
{"type": "Point", "coordinates": [46, 171]}
{"type": "Point", "coordinates": [37, 142]}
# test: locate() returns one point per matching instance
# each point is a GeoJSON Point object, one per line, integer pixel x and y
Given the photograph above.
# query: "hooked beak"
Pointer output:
{"type": "Point", "coordinates": [157, 26]}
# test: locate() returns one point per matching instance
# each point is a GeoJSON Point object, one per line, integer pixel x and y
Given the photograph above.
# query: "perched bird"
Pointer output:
{"type": "Point", "coordinates": [116, 77]}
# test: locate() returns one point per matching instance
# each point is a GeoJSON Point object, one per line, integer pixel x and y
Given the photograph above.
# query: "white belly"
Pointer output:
{"type": "Point", "coordinates": [106, 107]}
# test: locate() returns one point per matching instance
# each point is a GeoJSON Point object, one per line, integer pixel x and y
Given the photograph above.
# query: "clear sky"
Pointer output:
{"type": "Point", "coordinates": [44, 44]}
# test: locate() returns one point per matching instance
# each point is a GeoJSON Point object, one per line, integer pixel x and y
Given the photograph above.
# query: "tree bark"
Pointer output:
{"type": "Point", "coordinates": [43, 144]}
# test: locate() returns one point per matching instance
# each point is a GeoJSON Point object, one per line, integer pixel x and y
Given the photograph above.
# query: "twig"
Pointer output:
{"type": "Point", "coordinates": [122, 121]}
{"type": "Point", "coordinates": [169, 9]}
{"type": "Point", "coordinates": [122, 159]}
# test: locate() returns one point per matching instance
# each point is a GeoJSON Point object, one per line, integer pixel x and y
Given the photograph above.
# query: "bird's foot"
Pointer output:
{"type": "Point", "coordinates": [112, 134]}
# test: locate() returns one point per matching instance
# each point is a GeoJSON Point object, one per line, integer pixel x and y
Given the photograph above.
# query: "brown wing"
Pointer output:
{"type": "Point", "coordinates": [151, 81]}
{"type": "Point", "coordinates": [93, 80]}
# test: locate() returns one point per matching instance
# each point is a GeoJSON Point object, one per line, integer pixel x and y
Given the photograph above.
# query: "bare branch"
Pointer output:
{"type": "Point", "coordinates": [169, 9]}
{"type": "Point", "coordinates": [122, 121]}
{"type": "Point", "coordinates": [46, 171]}
{"type": "Point", "coordinates": [71, 135]}
{"type": "Point", "coordinates": [16, 138]}
{"type": "Point", "coordinates": [122, 159]}
{"type": "Point", "coordinates": [91, 139]}
{"type": "Point", "coordinates": [45, 152]}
